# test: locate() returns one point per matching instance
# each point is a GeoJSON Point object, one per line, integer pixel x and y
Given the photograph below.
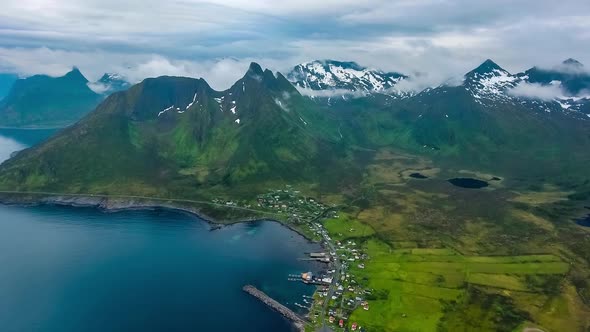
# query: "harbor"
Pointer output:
{"type": "Point", "coordinates": [273, 304]}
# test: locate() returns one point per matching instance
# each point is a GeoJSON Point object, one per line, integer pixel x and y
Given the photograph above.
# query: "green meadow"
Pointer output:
{"type": "Point", "coordinates": [412, 286]}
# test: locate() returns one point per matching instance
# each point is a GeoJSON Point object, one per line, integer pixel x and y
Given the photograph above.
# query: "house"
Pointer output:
{"type": "Point", "coordinates": [354, 326]}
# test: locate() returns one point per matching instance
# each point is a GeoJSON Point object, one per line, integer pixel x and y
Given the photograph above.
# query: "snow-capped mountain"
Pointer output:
{"type": "Point", "coordinates": [565, 88]}
{"type": "Point", "coordinates": [490, 82]}
{"type": "Point", "coordinates": [109, 83]}
{"type": "Point", "coordinates": [337, 75]}
{"type": "Point", "coordinates": [569, 82]}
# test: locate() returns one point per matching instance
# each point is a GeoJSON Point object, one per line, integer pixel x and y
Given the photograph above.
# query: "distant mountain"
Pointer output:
{"type": "Point", "coordinates": [336, 75]}
{"type": "Point", "coordinates": [571, 75]}
{"type": "Point", "coordinates": [48, 101]}
{"type": "Point", "coordinates": [172, 134]}
{"type": "Point", "coordinates": [109, 83]}
{"type": "Point", "coordinates": [477, 123]}
{"type": "Point", "coordinates": [6, 82]}
{"type": "Point", "coordinates": [559, 90]}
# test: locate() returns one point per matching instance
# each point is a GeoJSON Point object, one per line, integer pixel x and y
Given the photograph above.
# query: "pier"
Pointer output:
{"type": "Point", "coordinates": [286, 312]}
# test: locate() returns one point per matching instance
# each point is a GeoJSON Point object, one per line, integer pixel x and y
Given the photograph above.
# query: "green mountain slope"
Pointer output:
{"type": "Point", "coordinates": [172, 134]}
{"type": "Point", "coordinates": [47, 101]}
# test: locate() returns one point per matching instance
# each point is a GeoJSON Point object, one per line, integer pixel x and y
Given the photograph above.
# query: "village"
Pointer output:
{"type": "Point", "coordinates": [338, 292]}
{"type": "Point", "coordinates": [290, 203]}
{"type": "Point", "coordinates": [334, 303]}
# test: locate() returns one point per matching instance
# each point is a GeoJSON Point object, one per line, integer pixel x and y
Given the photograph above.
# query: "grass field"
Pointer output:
{"type": "Point", "coordinates": [416, 284]}
{"type": "Point", "coordinates": [344, 227]}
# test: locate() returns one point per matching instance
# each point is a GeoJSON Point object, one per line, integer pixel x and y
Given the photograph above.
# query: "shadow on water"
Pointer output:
{"type": "Point", "coordinates": [468, 183]}
{"type": "Point", "coordinates": [28, 137]}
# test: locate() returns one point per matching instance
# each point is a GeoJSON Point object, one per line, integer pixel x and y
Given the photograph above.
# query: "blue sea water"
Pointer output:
{"type": "Point", "coordinates": [78, 269]}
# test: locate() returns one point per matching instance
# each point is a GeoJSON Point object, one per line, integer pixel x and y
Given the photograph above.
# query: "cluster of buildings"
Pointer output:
{"type": "Point", "coordinates": [231, 203]}
{"type": "Point", "coordinates": [289, 201]}
{"type": "Point", "coordinates": [310, 278]}
{"type": "Point", "coordinates": [349, 294]}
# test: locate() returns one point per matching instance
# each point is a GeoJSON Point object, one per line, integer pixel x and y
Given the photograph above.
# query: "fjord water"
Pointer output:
{"type": "Point", "coordinates": [17, 139]}
{"type": "Point", "coordinates": [77, 269]}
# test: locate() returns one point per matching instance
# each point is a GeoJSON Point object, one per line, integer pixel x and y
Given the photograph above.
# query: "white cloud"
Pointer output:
{"type": "Point", "coordinates": [537, 91]}
{"type": "Point", "coordinates": [332, 93]}
{"type": "Point", "coordinates": [98, 87]}
{"type": "Point", "coordinates": [144, 38]}
{"type": "Point", "coordinates": [219, 73]}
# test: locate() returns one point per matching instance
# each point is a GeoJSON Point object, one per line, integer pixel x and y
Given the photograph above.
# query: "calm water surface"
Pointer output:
{"type": "Point", "coordinates": [66, 269]}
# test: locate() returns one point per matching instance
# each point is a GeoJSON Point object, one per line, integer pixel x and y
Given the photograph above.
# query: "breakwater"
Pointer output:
{"type": "Point", "coordinates": [276, 306]}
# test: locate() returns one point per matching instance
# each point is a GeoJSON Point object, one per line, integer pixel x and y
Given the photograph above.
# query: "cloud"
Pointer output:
{"type": "Point", "coordinates": [98, 87]}
{"type": "Point", "coordinates": [219, 73]}
{"type": "Point", "coordinates": [537, 91]}
{"type": "Point", "coordinates": [444, 38]}
{"type": "Point", "coordinates": [332, 93]}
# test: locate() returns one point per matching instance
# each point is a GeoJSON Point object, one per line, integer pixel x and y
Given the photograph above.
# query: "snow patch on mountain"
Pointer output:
{"type": "Point", "coordinates": [490, 84]}
{"type": "Point", "coordinates": [341, 78]}
{"type": "Point", "coordinates": [192, 102]}
{"type": "Point", "coordinates": [165, 110]}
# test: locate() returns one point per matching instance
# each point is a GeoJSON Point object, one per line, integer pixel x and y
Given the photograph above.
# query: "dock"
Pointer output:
{"type": "Point", "coordinates": [276, 306]}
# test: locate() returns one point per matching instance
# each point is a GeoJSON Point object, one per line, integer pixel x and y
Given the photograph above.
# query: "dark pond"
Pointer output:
{"type": "Point", "coordinates": [468, 183]}
{"type": "Point", "coordinates": [584, 221]}
{"type": "Point", "coordinates": [495, 178]}
{"type": "Point", "coordinates": [418, 176]}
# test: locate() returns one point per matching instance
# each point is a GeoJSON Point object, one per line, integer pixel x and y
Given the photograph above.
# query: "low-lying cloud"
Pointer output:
{"type": "Point", "coordinates": [537, 91]}
{"type": "Point", "coordinates": [331, 93]}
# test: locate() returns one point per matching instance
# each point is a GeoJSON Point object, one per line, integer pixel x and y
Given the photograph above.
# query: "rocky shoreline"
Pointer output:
{"type": "Point", "coordinates": [108, 205]}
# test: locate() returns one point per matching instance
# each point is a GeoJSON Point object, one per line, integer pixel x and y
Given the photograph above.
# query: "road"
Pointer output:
{"type": "Point", "coordinates": [337, 268]}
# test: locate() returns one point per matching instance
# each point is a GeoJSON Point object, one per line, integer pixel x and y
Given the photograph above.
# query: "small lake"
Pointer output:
{"type": "Point", "coordinates": [79, 269]}
{"type": "Point", "coordinates": [418, 176]}
{"type": "Point", "coordinates": [469, 183]}
{"type": "Point", "coordinates": [584, 221]}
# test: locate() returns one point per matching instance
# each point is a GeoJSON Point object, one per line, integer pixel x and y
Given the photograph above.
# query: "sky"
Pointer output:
{"type": "Point", "coordinates": [216, 40]}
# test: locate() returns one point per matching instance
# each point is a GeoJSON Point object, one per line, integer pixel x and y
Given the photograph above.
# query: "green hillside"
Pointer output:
{"type": "Point", "coordinates": [177, 135]}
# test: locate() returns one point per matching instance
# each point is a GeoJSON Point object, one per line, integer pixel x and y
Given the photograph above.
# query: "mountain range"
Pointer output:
{"type": "Point", "coordinates": [565, 87]}
{"type": "Point", "coordinates": [42, 100]}
{"type": "Point", "coordinates": [172, 132]}
{"type": "Point", "coordinates": [47, 101]}
{"type": "Point", "coordinates": [178, 135]}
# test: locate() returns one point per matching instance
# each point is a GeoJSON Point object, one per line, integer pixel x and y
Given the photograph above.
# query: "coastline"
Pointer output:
{"type": "Point", "coordinates": [36, 127]}
{"type": "Point", "coordinates": [113, 205]}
